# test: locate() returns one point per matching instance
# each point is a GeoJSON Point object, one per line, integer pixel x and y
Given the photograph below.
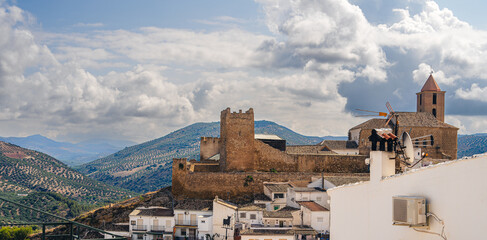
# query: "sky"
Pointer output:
{"type": "Point", "coordinates": [138, 70]}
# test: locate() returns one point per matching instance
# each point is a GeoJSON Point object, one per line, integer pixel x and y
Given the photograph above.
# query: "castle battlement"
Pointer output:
{"type": "Point", "coordinates": [210, 139]}
{"type": "Point", "coordinates": [227, 113]}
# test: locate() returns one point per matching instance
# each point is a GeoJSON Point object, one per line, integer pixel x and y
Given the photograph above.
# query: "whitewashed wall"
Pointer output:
{"type": "Point", "coordinates": [455, 191]}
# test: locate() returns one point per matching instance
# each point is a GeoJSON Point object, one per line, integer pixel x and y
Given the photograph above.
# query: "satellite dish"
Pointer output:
{"type": "Point", "coordinates": [408, 147]}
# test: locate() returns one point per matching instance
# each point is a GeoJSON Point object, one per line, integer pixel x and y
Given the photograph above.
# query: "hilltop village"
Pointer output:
{"type": "Point", "coordinates": [388, 180]}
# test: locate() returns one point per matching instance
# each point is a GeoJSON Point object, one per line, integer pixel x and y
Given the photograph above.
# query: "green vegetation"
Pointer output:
{"type": "Point", "coordinates": [40, 181]}
{"type": "Point", "coordinates": [469, 145]}
{"type": "Point", "coordinates": [15, 233]}
{"type": "Point", "coordinates": [147, 166]}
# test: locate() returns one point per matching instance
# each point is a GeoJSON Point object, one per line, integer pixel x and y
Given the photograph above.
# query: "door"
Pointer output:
{"type": "Point", "coordinates": [180, 219]}
{"type": "Point", "coordinates": [155, 225]}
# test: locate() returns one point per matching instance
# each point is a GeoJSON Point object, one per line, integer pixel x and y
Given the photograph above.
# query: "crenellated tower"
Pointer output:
{"type": "Point", "coordinates": [237, 152]}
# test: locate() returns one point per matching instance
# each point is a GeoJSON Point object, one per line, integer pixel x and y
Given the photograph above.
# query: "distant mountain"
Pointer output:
{"type": "Point", "coordinates": [147, 166]}
{"type": "Point", "coordinates": [70, 153]}
{"type": "Point", "coordinates": [39, 180]}
{"type": "Point", "coordinates": [469, 145]}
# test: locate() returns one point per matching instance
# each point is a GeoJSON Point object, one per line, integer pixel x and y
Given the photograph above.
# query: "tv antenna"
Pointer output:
{"type": "Point", "coordinates": [389, 115]}
{"type": "Point", "coordinates": [405, 149]}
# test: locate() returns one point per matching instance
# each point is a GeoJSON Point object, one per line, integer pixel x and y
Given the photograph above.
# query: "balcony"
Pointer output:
{"type": "Point", "coordinates": [158, 228]}
{"type": "Point", "coordinates": [139, 227]}
{"type": "Point", "coordinates": [186, 222]}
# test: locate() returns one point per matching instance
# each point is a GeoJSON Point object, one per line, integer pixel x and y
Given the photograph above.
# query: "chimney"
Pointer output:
{"type": "Point", "coordinates": [382, 164]}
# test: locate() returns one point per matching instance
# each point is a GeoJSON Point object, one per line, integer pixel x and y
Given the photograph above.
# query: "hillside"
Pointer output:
{"type": "Point", "coordinates": [147, 166]}
{"type": "Point", "coordinates": [33, 177]}
{"type": "Point", "coordinates": [71, 154]}
{"type": "Point", "coordinates": [469, 145]}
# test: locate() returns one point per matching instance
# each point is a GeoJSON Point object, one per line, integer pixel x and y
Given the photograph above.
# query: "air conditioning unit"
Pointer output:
{"type": "Point", "coordinates": [409, 211]}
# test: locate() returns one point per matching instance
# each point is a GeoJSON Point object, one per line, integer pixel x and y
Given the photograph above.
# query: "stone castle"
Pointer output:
{"type": "Point", "coordinates": [240, 161]}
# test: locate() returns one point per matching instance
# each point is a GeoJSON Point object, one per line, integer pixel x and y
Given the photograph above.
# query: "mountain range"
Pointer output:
{"type": "Point", "coordinates": [71, 154]}
{"type": "Point", "coordinates": [40, 180]}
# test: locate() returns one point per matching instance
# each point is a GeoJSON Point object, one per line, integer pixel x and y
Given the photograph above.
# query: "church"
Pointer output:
{"type": "Point", "coordinates": [426, 126]}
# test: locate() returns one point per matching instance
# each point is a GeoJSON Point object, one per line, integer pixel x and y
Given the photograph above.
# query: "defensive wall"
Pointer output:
{"type": "Point", "coordinates": [207, 182]}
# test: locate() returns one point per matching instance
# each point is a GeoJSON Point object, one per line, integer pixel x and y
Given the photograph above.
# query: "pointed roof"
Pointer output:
{"type": "Point", "coordinates": [430, 85]}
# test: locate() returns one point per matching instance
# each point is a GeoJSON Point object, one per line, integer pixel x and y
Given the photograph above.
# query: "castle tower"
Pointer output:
{"type": "Point", "coordinates": [432, 99]}
{"type": "Point", "coordinates": [237, 140]}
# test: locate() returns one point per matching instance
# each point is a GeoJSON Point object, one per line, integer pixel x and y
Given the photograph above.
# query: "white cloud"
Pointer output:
{"type": "Point", "coordinates": [324, 32]}
{"type": "Point", "coordinates": [421, 74]}
{"type": "Point", "coordinates": [474, 93]}
{"type": "Point", "coordinates": [159, 79]}
{"type": "Point", "coordinates": [98, 24]}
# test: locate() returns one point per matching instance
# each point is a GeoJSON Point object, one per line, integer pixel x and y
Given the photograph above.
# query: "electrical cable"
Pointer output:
{"type": "Point", "coordinates": [442, 234]}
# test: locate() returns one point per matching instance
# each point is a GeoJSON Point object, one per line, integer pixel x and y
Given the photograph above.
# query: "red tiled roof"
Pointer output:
{"type": "Point", "coordinates": [430, 85]}
{"type": "Point", "coordinates": [312, 206]}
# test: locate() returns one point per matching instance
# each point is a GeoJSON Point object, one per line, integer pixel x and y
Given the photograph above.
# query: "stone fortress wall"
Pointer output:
{"type": "Point", "coordinates": [241, 156]}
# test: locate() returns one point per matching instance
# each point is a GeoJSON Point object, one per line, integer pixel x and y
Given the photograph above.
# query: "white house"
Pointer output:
{"type": "Point", "coordinates": [205, 226]}
{"type": "Point", "coordinates": [455, 193]}
{"type": "Point", "coordinates": [151, 223]}
{"type": "Point", "coordinates": [278, 219]}
{"type": "Point", "coordinates": [297, 194]}
{"type": "Point", "coordinates": [250, 215]}
{"type": "Point", "coordinates": [187, 223]}
{"type": "Point", "coordinates": [224, 218]}
{"type": "Point", "coordinates": [277, 192]}
{"type": "Point", "coordinates": [316, 216]}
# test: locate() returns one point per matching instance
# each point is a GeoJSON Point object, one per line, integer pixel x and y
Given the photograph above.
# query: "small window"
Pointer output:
{"type": "Point", "coordinates": [132, 222]}
{"type": "Point", "coordinates": [434, 98]}
{"type": "Point", "coordinates": [424, 143]}
{"type": "Point", "coordinates": [434, 112]}
{"type": "Point", "coordinates": [420, 99]}
{"type": "Point", "coordinates": [243, 215]}
{"type": "Point", "coordinates": [183, 232]}
{"type": "Point", "coordinates": [253, 216]}
{"type": "Point", "coordinates": [320, 219]}
{"type": "Point", "coordinates": [278, 195]}
{"type": "Point", "coordinates": [203, 221]}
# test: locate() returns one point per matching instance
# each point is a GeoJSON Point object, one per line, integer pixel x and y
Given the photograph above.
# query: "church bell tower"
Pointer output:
{"type": "Point", "coordinates": [432, 99]}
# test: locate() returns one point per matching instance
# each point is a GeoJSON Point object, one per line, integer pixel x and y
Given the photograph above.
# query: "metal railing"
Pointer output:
{"type": "Point", "coordinates": [159, 228]}
{"type": "Point", "coordinates": [139, 228]}
{"type": "Point", "coordinates": [187, 222]}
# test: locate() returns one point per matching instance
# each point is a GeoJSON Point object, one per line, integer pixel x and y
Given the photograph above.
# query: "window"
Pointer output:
{"type": "Point", "coordinates": [132, 222]}
{"type": "Point", "coordinates": [203, 221]}
{"type": "Point", "coordinates": [253, 216]}
{"type": "Point", "coordinates": [434, 112]}
{"type": "Point", "coordinates": [320, 219]}
{"type": "Point", "coordinates": [424, 143]}
{"type": "Point", "coordinates": [434, 98]}
{"type": "Point", "coordinates": [420, 99]}
{"type": "Point", "coordinates": [278, 195]}
{"type": "Point", "coordinates": [243, 215]}
{"type": "Point", "coordinates": [183, 232]}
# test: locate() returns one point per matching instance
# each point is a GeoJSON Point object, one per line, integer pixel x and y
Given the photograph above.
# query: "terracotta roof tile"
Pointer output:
{"type": "Point", "coordinates": [314, 207]}
{"type": "Point", "coordinates": [430, 85]}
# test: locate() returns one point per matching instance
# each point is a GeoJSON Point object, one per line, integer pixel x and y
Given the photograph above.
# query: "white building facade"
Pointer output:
{"type": "Point", "coordinates": [455, 193]}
